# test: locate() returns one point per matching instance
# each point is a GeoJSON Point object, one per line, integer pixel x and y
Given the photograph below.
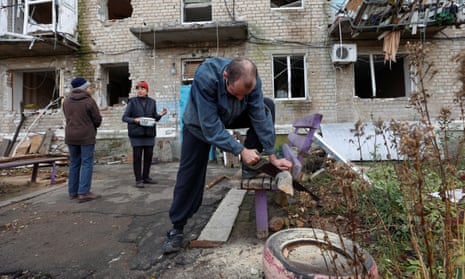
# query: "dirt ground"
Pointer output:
{"type": "Point", "coordinates": [17, 181]}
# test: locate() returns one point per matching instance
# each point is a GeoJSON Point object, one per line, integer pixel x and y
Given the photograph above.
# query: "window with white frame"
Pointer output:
{"type": "Point", "coordinates": [286, 4]}
{"type": "Point", "coordinates": [376, 78]}
{"type": "Point", "coordinates": [289, 77]}
{"type": "Point", "coordinates": [197, 11]}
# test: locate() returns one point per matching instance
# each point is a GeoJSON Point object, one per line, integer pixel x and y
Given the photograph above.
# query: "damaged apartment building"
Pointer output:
{"type": "Point", "coordinates": [345, 59]}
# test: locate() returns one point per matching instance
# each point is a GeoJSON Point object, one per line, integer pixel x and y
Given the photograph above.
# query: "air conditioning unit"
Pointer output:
{"type": "Point", "coordinates": [344, 53]}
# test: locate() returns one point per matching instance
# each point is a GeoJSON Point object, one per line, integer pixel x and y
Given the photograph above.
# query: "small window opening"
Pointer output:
{"type": "Point", "coordinates": [284, 4]}
{"type": "Point", "coordinates": [41, 13]}
{"type": "Point", "coordinates": [119, 9]}
{"type": "Point", "coordinates": [197, 11]}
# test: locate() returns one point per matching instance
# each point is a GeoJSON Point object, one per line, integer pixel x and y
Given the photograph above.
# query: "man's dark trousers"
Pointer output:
{"type": "Point", "coordinates": [190, 181]}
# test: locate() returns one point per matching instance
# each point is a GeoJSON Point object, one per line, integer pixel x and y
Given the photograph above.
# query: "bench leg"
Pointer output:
{"type": "Point", "coordinates": [35, 169]}
{"type": "Point", "coordinates": [261, 213]}
{"type": "Point", "coordinates": [54, 172]}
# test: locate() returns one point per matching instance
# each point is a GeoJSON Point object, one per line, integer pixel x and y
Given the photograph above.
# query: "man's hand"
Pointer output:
{"type": "Point", "coordinates": [282, 164]}
{"type": "Point", "coordinates": [164, 112]}
{"type": "Point", "coordinates": [250, 156]}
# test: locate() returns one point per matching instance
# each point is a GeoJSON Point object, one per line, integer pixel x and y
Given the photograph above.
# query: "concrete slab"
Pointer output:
{"type": "Point", "coordinates": [340, 137]}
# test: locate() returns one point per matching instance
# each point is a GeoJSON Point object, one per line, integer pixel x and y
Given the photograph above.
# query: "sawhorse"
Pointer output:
{"type": "Point", "coordinates": [263, 183]}
{"type": "Point", "coordinates": [260, 185]}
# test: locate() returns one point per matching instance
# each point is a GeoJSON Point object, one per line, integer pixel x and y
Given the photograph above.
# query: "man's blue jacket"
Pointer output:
{"type": "Point", "coordinates": [211, 109]}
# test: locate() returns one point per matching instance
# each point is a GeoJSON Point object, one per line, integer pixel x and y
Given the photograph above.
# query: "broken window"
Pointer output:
{"type": "Point", "coordinates": [197, 11]}
{"type": "Point", "coordinates": [117, 85]}
{"type": "Point", "coordinates": [285, 4]}
{"type": "Point", "coordinates": [117, 9]}
{"type": "Point", "coordinates": [42, 16]}
{"type": "Point", "coordinates": [35, 89]}
{"type": "Point", "coordinates": [40, 13]}
{"type": "Point", "coordinates": [375, 78]}
{"type": "Point", "coordinates": [289, 77]}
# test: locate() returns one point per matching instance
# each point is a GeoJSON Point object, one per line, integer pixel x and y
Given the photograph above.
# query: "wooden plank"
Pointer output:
{"type": "Point", "coordinates": [30, 161]}
{"type": "Point", "coordinates": [4, 147]}
{"type": "Point", "coordinates": [36, 141]}
{"type": "Point", "coordinates": [353, 5]}
{"type": "Point", "coordinates": [45, 144]}
{"type": "Point", "coordinates": [26, 156]}
{"type": "Point", "coordinates": [22, 148]}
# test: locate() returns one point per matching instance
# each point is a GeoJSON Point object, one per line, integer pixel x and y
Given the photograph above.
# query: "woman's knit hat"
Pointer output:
{"type": "Point", "coordinates": [80, 83]}
{"type": "Point", "coordinates": [143, 84]}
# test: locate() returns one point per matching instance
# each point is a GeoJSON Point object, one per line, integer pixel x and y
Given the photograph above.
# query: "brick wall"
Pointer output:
{"type": "Point", "coordinates": [300, 31]}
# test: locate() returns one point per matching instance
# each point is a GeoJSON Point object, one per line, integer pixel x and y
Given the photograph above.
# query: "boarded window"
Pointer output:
{"type": "Point", "coordinates": [188, 69]}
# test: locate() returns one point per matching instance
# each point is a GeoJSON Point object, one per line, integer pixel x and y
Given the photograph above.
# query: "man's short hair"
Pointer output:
{"type": "Point", "coordinates": [242, 69]}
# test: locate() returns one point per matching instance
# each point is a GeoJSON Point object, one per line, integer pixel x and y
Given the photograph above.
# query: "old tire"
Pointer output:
{"type": "Point", "coordinates": [313, 253]}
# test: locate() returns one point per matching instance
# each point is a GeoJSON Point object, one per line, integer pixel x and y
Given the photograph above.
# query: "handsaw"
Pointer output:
{"type": "Point", "coordinates": [268, 168]}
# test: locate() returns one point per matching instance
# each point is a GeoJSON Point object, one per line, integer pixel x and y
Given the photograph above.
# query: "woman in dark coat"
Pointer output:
{"type": "Point", "coordinates": [82, 120]}
{"type": "Point", "coordinates": [141, 115]}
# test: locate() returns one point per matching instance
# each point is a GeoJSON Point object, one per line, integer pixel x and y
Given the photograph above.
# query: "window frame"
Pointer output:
{"type": "Point", "coordinates": [183, 15]}
{"type": "Point", "coordinates": [188, 68]}
{"type": "Point", "coordinates": [289, 70]}
{"type": "Point", "coordinates": [288, 8]}
{"type": "Point", "coordinates": [408, 86]}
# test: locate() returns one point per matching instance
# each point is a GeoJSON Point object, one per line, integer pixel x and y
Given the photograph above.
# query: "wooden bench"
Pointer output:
{"type": "Point", "coordinates": [303, 143]}
{"type": "Point", "coordinates": [34, 161]}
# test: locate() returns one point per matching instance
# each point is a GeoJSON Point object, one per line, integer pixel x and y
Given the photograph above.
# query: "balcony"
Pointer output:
{"type": "Point", "coordinates": [182, 35]}
{"type": "Point", "coordinates": [373, 19]}
{"type": "Point", "coordinates": [39, 45]}
{"type": "Point", "coordinates": [38, 28]}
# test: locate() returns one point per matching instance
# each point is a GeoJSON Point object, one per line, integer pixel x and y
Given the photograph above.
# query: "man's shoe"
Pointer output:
{"type": "Point", "coordinates": [140, 184]}
{"type": "Point", "coordinates": [87, 197]}
{"type": "Point", "coordinates": [150, 181]}
{"type": "Point", "coordinates": [173, 241]}
{"type": "Point", "coordinates": [73, 196]}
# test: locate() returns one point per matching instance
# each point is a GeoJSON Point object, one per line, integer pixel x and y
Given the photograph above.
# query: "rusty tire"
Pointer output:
{"type": "Point", "coordinates": [281, 257]}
